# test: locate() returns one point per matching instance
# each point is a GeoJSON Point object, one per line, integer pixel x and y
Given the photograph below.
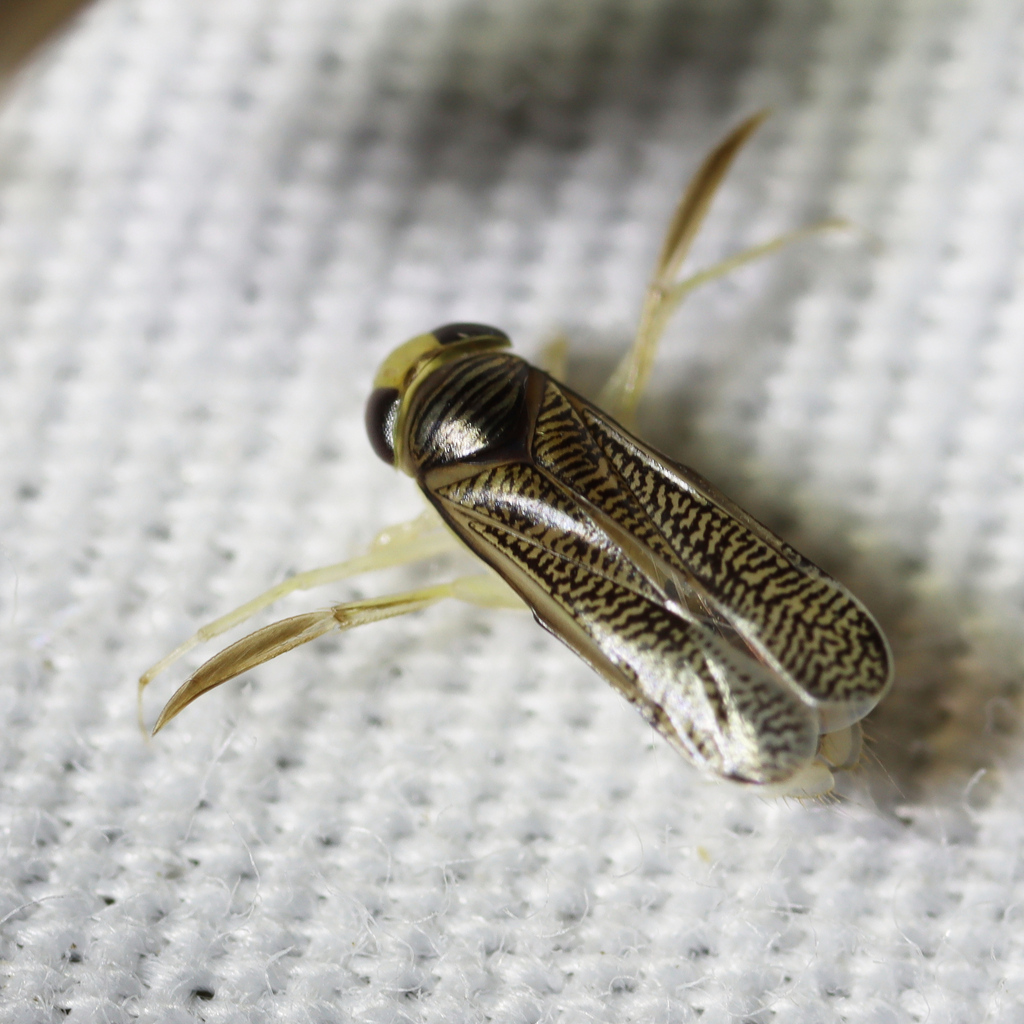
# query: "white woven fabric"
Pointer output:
{"type": "Point", "coordinates": [216, 218]}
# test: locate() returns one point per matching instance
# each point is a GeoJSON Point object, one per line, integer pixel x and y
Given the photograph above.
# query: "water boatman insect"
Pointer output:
{"type": "Point", "coordinates": [753, 663]}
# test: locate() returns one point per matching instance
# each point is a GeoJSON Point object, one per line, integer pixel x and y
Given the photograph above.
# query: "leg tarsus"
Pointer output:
{"type": "Point", "coordinates": [250, 651]}
{"type": "Point", "coordinates": [622, 392]}
{"type": "Point", "coordinates": [422, 537]}
{"type": "Point", "coordinates": [621, 395]}
{"type": "Point", "coordinates": [279, 637]}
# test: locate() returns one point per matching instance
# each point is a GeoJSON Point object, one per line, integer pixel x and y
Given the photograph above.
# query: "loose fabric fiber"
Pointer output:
{"type": "Point", "coordinates": [216, 219]}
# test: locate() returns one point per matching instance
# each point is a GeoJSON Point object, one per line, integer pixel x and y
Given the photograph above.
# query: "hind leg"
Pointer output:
{"type": "Point", "coordinates": [624, 389]}
{"type": "Point", "coordinates": [412, 541]}
{"type": "Point", "coordinates": [279, 637]}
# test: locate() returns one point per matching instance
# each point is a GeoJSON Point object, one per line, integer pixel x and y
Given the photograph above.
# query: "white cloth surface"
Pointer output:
{"type": "Point", "coordinates": [216, 218]}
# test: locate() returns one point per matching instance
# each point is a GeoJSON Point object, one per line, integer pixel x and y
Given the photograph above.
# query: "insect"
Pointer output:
{"type": "Point", "coordinates": [753, 663]}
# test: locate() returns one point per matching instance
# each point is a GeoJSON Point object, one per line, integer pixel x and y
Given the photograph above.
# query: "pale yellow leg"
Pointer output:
{"type": "Point", "coordinates": [413, 541]}
{"type": "Point", "coordinates": [277, 638]}
{"type": "Point", "coordinates": [621, 395]}
{"type": "Point", "coordinates": [554, 357]}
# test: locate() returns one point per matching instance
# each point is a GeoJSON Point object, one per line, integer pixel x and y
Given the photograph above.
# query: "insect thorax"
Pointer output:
{"type": "Point", "coordinates": [467, 409]}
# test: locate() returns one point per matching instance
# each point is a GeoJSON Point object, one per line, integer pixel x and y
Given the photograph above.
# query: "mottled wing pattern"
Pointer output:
{"type": "Point", "coordinates": [799, 620]}
{"type": "Point", "coordinates": [732, 645]}
{"type": "Point", "coordinates": [722, 709]}
{"type": "Point", "coordinates": [560, 526]}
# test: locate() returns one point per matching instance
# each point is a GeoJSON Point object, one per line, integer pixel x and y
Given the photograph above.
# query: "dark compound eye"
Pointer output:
{"type": "Point", "coordinates": [461, 332]}
{"type": "Point", "coordinates": [381, 413]}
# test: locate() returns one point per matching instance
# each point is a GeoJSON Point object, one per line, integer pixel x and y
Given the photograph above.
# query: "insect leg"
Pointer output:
{"type": "Point", "coordinates": [622, 391]}
{"type": "Point", "coordinates": [279, 637]}
{"type": "Point", "coordinates": [621, 394]}
{"type": "Point", "coordinates": [554, 357]}
{"type": "Point", "coordinates": [422, 537]}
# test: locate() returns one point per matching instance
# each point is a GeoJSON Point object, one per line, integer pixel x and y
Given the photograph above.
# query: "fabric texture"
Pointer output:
{"type": "Point", "coordinates": [216, 219]}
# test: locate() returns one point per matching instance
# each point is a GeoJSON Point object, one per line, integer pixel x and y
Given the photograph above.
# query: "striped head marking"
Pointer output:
{"type": "Point", "coordinates": [407, 367]}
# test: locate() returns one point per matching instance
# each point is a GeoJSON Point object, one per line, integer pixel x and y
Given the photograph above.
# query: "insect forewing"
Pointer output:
{"type": "Point", "coordinates": [726, 712]}
{"type": "Point", "coordinates": [731, 644]}
{"type": "Point", "coordinates": [808, 627]}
